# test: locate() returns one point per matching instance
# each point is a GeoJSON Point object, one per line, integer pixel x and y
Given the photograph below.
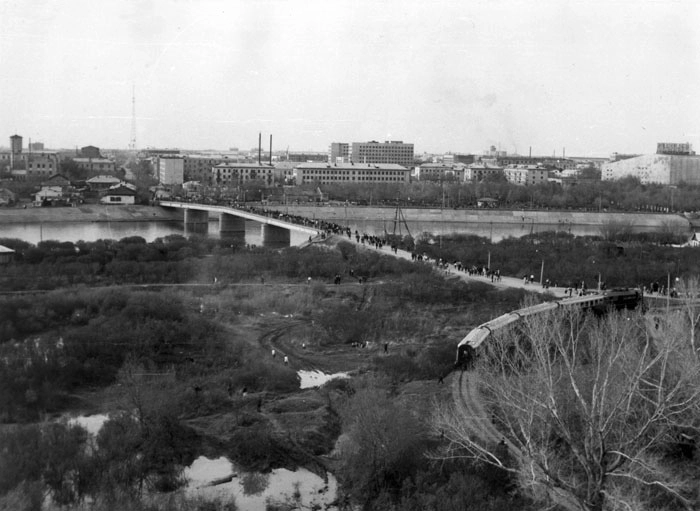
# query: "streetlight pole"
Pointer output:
{"type": "Point", "coordinates": [542, 272]}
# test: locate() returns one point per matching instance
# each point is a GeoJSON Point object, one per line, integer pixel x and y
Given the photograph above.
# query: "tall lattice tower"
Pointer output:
{"type": "Point", "coordinates": [132, 142]}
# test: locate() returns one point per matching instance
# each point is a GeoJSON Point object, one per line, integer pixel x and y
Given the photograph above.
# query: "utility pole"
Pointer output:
{"type": "Point", "coordinates": [132, 142]}
{"type": "Point", "coordinates": [542, 272]}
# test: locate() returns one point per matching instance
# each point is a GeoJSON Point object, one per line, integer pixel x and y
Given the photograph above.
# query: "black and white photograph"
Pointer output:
{"type": "Point", "coordinates": [349, 255]}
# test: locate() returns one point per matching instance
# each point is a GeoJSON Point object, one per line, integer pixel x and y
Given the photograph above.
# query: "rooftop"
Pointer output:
{"type": "Point", "coordinates": [351, 166]}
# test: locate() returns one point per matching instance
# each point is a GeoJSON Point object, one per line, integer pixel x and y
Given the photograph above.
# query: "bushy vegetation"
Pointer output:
{"type": "Point", "coordinates": [591, 194]}
{"type": "Point", "coordinates": [569, 259]}
{"type": "Point", "coordinates": [385, 462]}
{"type": "Point", "coordinates": [181, 355]}
{"type": "Point", "coordinates": [128, 457]}
{"type": "Point", "coordinates": [176, 260]}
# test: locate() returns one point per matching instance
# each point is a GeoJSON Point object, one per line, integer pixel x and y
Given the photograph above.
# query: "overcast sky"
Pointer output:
{"type": "Point", "coordinates": [590, 76]}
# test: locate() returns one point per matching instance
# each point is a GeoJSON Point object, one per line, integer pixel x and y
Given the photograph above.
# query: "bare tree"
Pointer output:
{"type": "Point", "coordinates": [689, 293]}
{"type": "Point", "coordinates": [586, 407]}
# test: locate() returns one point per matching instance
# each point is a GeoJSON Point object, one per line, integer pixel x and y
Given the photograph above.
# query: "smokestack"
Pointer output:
{"type": "Point", "coordinates": [270, 148]}
{"type": "Point", "coordinates": [259, 146]}
{"type": "Point", "coordinates": [563, 153]}
{"type": "Point", "coordinates": [530, 151]}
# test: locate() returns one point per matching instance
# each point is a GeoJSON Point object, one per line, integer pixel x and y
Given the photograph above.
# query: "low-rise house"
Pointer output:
{"type": "Point", "coordinates": [119, 195]}
{"type": "Point", "coordinates": [102, 182]}
{"type": "Point", "coordinates": [96, 164]}
{"type": "Point", "coordinates": [54, 190]}
{"type": "Point", "coordinates": [7, 255]}
{"type": "Point", "coordinates": [7, 197]}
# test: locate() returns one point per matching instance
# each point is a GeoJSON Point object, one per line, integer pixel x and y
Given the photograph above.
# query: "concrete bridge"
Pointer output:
{"type": "Point", "coordinates": [275, 232]}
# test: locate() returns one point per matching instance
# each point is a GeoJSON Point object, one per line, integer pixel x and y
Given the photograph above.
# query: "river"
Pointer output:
{"type": "Point", "coordinates": [495, 231]}
{"type": "Point", "coordinates": [150, 231]}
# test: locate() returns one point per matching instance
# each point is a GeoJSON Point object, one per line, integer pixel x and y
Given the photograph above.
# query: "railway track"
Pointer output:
{"type": "Point", "coordinates": [465, 395]}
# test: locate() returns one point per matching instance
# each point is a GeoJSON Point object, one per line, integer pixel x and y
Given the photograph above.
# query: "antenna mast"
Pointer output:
{"type": "Point", "coordinates": [132, 142]}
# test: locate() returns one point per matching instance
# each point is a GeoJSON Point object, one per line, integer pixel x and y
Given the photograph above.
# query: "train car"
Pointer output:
{"type": "Point", "coordinates": [598, 303]}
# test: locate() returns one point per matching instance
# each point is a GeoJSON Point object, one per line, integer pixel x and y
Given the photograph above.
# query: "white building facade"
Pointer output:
{"type": "Point", "coordinates": [655, 168]}
{"type": "Point", "coordinates": [326, 173]}
{"type": "Point", "coordinates": [526, 175]}
{"type": "Point", "coordinates": [171, 170]}
{"type": "Point", "coordinates": [231, 174]}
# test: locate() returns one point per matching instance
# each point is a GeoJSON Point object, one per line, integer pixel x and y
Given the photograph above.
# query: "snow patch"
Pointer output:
{"type": "Point", "coordinates": [311, 379]}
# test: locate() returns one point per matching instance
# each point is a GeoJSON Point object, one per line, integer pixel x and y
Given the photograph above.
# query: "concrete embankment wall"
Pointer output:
{"type": "Point", "coordinates": [339, 214]}
{"type": "Point", "coordinates": [89, 213]}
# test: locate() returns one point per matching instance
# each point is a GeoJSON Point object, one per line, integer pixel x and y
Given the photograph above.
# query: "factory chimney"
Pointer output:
{"type": "Point", "coordinates": [271, 149]}
{"type": "Point", "coordinates": [259, 146]}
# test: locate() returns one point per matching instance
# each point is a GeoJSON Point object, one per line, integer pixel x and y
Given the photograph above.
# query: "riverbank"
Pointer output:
{"type": "Point", "coordinates": [88, 213]}
{"type": "Point", "coordinates": [355, 214]}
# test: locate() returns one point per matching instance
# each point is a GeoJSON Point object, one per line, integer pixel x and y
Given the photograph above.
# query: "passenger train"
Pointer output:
{"type": "Point", "coordinates": [598, 303]}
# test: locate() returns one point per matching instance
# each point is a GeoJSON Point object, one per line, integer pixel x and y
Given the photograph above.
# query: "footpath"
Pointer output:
{"type": "Point", "coordinates": [504, 283]}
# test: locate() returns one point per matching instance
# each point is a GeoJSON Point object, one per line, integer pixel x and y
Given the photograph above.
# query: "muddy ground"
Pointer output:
{"type": "Point", "coordinates": [300, 427]}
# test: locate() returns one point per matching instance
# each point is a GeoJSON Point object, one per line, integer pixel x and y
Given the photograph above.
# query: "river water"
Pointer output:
{"type": "Point", "coordinates": [211, 479]}
{"type": "Point", "coordinates": [92, 231]}
{"type": "Point", "coordinates": [150, 231]}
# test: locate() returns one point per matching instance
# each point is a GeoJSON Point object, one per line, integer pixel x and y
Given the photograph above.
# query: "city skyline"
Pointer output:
{"type": "Point", "coordinates": [586, 76]}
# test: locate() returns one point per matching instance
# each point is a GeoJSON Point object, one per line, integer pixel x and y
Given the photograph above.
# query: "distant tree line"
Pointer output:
{"type": "Point", "coordinates": [627, 194]}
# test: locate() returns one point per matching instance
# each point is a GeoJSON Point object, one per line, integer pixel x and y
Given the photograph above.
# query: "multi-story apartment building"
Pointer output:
{"type": "Point", "coordinates": [232, 174]}
{"type": "Point", "coordinates": [663, 169]}
{"type": "Point", "coordinates": [198, 166]}
{"type": "Point", "coordinates": [170, 170]}
{"type": "Point", "coordinates": [326, 173]}
{"type": "Point", "coordinates": [41, 164]}
{"type": "Point", "coordinates": [32, 164]}
{"type": "Point", "coordinates": [440, 172]}
{"type": "Point", "coordinates": [680, 149]}
{"type": "Point", "coordinates": [671, 165]}
{"type": "Point", "coordinates": [479, 171]}
{"type": "Point", "coordinates": [526, 175]}
{"type": "Point", "coordinates": [391, 151]}
{"type": "Point", "coordinates": [454, 158]}
{"type": "Point", "coordinates": [304, 156]}
{"type": "Point", "coordinates": [339, 152]}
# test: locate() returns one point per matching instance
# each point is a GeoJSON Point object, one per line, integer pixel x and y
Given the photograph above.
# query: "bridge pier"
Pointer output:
{"type": "Point", "coordinates": [231, 224]}
{"type": "Point", "coordinates": [275, 237]}
{"type": "Point", "coordinates": [196, 221]}
{"type": "Point", "coordinates": [196, 217]}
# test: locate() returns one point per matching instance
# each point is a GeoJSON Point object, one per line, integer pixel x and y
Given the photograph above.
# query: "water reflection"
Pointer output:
{"type": "Point", "coordinates": [309, 379]}
{"type": "Point", "coordinates": [92, 231]}
{"type": "Point", "coordinates": [200, 229]}
{"type": "Point", "coordinates": [150, 231]}
{"type": "Point", "coordinates": [219, 478]}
